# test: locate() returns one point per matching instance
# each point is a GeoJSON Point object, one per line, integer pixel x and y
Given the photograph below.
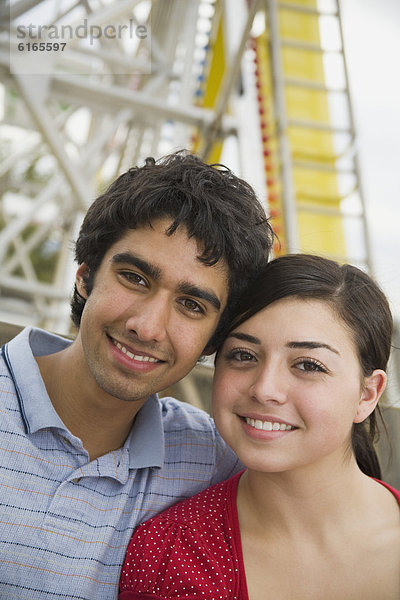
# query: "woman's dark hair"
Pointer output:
{"type": "Point", "coordinates": [354, 297]}
{"type": "Point", "coordinates": [217, 208]}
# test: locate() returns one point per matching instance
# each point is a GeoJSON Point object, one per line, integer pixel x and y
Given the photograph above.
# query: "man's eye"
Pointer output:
{"type": "Point", "coordinates": [192, 305]}
{"type": "Point", "coordinates": [133, 277]}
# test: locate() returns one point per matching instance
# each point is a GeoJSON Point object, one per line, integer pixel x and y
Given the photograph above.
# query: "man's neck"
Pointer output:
{"type": "Point", "coordinates": [102, 422]}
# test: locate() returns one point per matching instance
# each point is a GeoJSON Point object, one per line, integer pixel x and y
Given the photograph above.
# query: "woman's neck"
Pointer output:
{"type": "Point", "coordinates": [307, 500]}
{"type": "Point", "coordinates": [309, 535]}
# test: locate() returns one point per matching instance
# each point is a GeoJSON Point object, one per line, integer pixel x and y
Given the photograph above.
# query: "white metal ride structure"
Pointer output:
{"type": "Point", "coordinates": [147, 77]}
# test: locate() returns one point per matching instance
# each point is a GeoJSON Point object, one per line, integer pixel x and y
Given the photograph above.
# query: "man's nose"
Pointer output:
{"type": "Point", "coordinates": [150, 318]}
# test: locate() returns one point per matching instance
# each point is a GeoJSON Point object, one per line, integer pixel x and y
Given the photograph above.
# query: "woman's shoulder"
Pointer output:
{"type": "Point", "coordinates": [194, 509]}
{"type": "Point", "coordinates": [395, 492]}
{"type": "Point", "coordinates": [189, 545]}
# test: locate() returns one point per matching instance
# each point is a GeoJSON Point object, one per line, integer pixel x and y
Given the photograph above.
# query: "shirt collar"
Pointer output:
{"type": "Point", "coordinates": [146, 439]}
{"type": "Point", "coordinates": [37, 410]}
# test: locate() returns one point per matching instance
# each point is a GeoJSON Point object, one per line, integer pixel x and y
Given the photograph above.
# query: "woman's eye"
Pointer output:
{"type": "Point", "coordinates": [310, 366]}
{"type": "Point", "coordinates": [240, 356]}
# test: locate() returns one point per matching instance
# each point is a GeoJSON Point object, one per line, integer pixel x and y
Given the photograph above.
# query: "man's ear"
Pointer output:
{"type": "Point", "coordinates": [81, 275]}
{"type": "Point", "coordinates": [373, 387]}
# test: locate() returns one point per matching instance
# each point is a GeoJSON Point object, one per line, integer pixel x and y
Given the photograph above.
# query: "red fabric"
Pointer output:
{"type": "Point", "coordinates": [396, 493]}
{"type": "Point", "coordinates": [132, 595]}
{"type": "Point", "coordinates": [190, 551]}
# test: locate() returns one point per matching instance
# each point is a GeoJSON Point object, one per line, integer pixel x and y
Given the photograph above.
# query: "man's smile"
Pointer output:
{"type": "Point", "coordinates": [140, 357]}
{"type": "Point", "coordinates": [136, 355]}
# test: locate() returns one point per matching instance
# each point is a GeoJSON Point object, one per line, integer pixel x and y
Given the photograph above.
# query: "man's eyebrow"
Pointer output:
{"type": "Point", "coordinates": [312, 346]}
{"type": "Point", "coordinates": [244, 337]}
{"type": "Point", "coordinates": [130, 259]}
{"type": "Point", "coordinates": [193, 290]}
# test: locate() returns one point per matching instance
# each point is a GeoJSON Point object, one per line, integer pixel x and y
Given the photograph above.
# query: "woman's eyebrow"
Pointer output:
{"type": "Point", "coordinates": [312, 345]}
{"type": "Point", "coordinates": [244, 337]}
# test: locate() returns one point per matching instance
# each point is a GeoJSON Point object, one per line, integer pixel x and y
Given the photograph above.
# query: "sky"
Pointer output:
{"type": "Point", "coordinates": [372, 45]}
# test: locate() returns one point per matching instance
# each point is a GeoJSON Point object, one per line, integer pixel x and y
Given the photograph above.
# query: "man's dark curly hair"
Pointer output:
{"type": "Point", "coordinates": [218, 209]}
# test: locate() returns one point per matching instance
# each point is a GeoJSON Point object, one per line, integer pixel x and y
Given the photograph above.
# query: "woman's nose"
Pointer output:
{"type": "Point", "coordinates": [269, 385]}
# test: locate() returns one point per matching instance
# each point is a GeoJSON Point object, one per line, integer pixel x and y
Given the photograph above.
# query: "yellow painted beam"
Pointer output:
{"type": "Point", "coordinates": [316, 191]}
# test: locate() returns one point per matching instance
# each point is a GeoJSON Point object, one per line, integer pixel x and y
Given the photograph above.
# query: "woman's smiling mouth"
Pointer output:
{"type": "Point", "coordinates": [268, 425]}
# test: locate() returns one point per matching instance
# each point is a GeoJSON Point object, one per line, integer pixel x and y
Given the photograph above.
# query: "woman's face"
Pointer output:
{"type": "Point", "coordinates": [288, 387]}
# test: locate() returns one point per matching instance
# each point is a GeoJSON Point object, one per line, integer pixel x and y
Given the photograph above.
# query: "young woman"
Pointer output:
{"type": "Point", "coordinates": [296, 385]}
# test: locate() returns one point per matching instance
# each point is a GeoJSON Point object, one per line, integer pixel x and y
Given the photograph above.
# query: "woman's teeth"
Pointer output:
{"type": "Point", "coordinates": [268, 425]}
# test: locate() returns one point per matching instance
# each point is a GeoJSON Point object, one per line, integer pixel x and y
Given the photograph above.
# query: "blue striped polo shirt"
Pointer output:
{"type": "Point", "coordinates": [65, 522]}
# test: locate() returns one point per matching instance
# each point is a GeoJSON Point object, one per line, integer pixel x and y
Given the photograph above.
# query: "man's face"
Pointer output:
{"type": "Point", "coordinates": [151, 312]}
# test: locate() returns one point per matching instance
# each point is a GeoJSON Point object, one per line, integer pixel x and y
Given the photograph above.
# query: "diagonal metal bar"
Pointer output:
{"type": "Point", "coordinates": [28, 88]}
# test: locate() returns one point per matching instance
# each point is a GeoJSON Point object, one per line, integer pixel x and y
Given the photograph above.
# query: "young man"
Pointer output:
{"type": "Point", "coordinates": [87, 451]}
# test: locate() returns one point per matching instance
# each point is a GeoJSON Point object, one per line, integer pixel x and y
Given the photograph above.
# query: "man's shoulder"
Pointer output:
{"type": "Point", "coordinates": [178, 416]}
{"type": "Point", "coordinates": [17, 355]}
{"type": "Point", "coordinates": [191, 432]}
{"type": "Point", "coordinates": [37, 341]}
{"type": "Point", "coordinates": [22, 388]}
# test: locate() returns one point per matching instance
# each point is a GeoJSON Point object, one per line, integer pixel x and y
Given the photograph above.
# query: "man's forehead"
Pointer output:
{"type": "Point", "coordinates": [166, 227]}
